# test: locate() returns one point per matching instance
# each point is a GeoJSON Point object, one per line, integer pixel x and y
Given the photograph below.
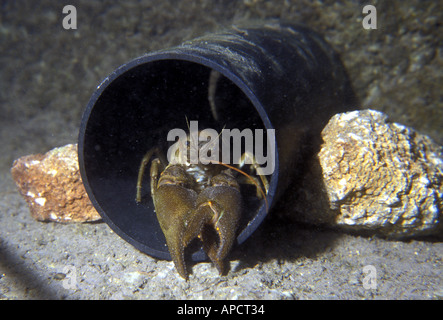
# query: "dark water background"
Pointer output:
{"type": "Point", "coordinates": [48, 73]}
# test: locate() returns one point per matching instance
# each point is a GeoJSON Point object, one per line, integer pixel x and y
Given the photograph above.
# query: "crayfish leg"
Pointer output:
{"type": "Point", "coordinates": [154, 174]}
{"type": "Point", "coordinates": [248, 157]}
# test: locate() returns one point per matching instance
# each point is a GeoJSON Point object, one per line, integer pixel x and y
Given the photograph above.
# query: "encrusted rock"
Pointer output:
{"type": "Point", "coordinates": [374, 175]}
{"type": "Point", "coordinates": [52, 186]}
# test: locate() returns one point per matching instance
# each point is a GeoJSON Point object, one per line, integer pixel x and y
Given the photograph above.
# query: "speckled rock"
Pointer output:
{"type": "Point", "coordinates": [52, 186]}
{"type": "Point", "coordinates": [375, 175]}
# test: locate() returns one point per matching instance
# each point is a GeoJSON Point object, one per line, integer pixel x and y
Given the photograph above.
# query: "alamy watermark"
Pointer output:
{"type": "Point", "coordinates": [370, 279]}
{"type": "Point", "coordinates": [370, 20]}
{"type": "Point", "coordinates": [70, 20]}
{"type": "Point", "coordinates": [70, 281]}
{"type": "Point", "coordinates": [237, 147]}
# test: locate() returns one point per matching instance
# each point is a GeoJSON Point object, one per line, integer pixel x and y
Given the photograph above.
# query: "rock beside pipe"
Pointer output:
{"type": "Point", "coordinates": [51, 185]}
{"type": "Point", "coordinates": [373, 175]}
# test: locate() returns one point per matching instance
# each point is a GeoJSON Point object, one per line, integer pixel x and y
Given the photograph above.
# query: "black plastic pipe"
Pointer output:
{"type": "Point", "coordinates": [273, 76]}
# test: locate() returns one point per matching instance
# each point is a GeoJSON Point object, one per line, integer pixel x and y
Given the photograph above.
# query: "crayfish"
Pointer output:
{"type": "Point", "coordinates": [197, 201]}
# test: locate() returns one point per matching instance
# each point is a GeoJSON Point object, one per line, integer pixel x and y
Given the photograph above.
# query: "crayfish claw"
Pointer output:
{"type": "Point", "coordinates": [186, 210]}
{"type": "Point", "coordinates": [174, 205]}
{"type": "Point", "coordinates": [176, 249]}
{"type": "Point", "coordinates": [221, 207]}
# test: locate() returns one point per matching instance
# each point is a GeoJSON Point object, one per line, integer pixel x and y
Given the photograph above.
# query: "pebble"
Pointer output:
{"type": "Point", "coordinates": [51, 185]}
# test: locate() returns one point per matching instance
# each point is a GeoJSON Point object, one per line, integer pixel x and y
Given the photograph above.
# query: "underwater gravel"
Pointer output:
{"type": "Point", "coordinates": [281, 261]}
{"type": "Point", "coordinates": [49, 74]}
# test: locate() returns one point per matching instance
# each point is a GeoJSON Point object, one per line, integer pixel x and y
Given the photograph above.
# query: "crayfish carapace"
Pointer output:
{"type": "Point", "coordinates": [197, 200]}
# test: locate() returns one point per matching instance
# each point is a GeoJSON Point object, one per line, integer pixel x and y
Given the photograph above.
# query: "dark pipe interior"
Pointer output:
{"type": "Point", "coordinates": [134, 112]}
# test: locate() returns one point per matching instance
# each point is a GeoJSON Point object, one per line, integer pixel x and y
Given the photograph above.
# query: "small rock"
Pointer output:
{"type": "Point", "coordinates": [59, 276]}
{"type": "Point", "coordinates": [52, 186]}
{"type": "Point", "coordinates": [373, 175]}
{"type": "Point", "coordinates": [133, 278]}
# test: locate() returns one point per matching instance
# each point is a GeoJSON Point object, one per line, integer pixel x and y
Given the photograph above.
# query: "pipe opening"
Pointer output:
{"type": "Point", "coordinates": [133, 112]}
